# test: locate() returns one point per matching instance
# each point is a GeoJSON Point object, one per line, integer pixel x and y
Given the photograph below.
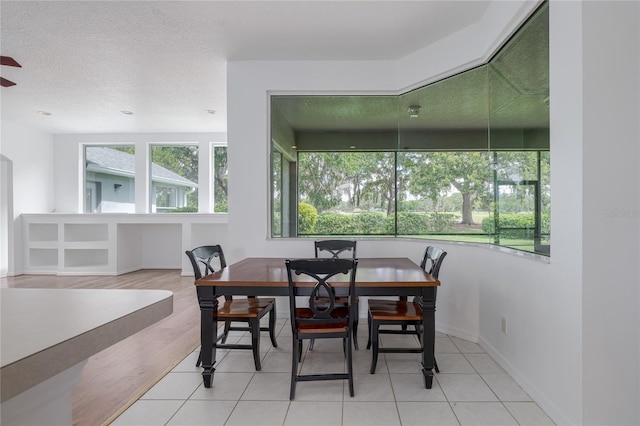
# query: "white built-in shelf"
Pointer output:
{"type": "Point", "coordinates": [115, 243]}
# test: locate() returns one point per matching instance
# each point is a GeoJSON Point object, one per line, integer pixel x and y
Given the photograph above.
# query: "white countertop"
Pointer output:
{"type": "Point", "coordinates": [46, 331]}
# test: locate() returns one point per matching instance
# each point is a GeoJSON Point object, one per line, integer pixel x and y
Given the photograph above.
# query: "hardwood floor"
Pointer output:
{"type": "Point", "coordinates": [116, 377]}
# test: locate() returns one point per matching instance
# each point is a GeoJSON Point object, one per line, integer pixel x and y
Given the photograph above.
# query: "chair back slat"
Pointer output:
{"type": "Point", "coordinates": [336, 248]}
{"type": "Point", "coordinates": [322, 306]}
{"type": "Point", "coordinates": [432, 260]}
{"type": "Point", "coordinates": [203, 257]}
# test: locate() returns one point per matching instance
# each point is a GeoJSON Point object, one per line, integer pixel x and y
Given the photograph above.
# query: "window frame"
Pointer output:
{"type": "Point", "coordinates": [213, 185]}
{"type": "Point", "coordinates": [118, 178]}
{"type": "Point", "coordinates": [152, 207]}
{"type": "Point", "coordinates": [511, 113]}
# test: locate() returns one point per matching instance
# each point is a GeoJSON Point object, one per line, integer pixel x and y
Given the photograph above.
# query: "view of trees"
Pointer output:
{"type": "Point", "coordinates": [366, 180]}
{"type": "Point", "coordinates": [432, 175]}
{"type": "Point", "coordinates": [220, 185]}
{"type": "Point", "coordinates": [276, 194]}
{"type": "Point", "coordinates": [183, 161]}
{"type": "Point", "coordinates": [355, 192]}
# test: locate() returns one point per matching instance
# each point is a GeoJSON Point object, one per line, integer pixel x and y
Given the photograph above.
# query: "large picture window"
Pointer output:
{"type": "Point", "coordinates": [220, 179]}
{"type": "Point", "coordinates": [465, 158]}
{"type": "Point", "coordinates": [109, 179]}
{"type": "Point", "coordinates": [174, 178]}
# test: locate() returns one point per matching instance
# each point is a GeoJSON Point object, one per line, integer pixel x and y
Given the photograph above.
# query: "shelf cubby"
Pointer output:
{"type": "Point", "coordinates": [82, 232]}
{"type": "Point", "coordinates": [39, 232]}
{"type": "Point", "coordinates": [43, 258]}
{"type": "Point", "coordinates": [83, 258]}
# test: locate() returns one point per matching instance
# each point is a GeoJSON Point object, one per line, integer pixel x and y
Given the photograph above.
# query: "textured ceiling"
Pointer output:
{"type": "Point", "coordinates": [86, 61]}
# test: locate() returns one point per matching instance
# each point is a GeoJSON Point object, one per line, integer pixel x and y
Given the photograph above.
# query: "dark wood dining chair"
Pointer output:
{"type": "Point", "coordinates": [337, 249]}
{"type": "Point", "coordinates": [249, 310]}
{"type": "Point", "coordinates": [320, 321]}
{"type": "Point", "coordinates": [401, 312]}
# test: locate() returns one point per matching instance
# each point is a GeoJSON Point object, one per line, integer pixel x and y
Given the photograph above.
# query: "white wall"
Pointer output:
{"type": "Point", "coordinates": [611, 212]}
{"type": "Point", "coordinates": [30, 152]}
{"type": "Point", "coordinates": [6, 215]}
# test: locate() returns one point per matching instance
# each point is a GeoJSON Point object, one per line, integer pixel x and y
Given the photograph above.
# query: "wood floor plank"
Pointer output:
{"type": "Point", "coordinates": [116, 377]}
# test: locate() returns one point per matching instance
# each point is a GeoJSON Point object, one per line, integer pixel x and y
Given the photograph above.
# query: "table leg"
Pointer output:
{"type": "Point", "coordinates": [208, 332]}
{"type": "Point", "coordinates": [428, 334]}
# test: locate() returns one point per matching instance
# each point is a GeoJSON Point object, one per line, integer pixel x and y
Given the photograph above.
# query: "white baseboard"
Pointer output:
{"type": "Point", "coordinates": [533, 391]}
{"type": "Point", "coordinates": [457, 332]}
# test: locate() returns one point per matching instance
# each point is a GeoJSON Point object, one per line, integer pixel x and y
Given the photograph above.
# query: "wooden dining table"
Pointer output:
{"type": "Point", "coordinates": [261, 276]}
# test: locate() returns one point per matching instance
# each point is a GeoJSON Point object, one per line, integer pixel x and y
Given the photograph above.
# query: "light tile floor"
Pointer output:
{"type": "Point", "coordinates": [471, 389]}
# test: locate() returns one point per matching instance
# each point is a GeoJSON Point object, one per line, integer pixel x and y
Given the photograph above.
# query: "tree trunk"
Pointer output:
{"type": "Point", "coordinates": [467, 203]}
{"type": "Point", "coordinates": [390, 204]}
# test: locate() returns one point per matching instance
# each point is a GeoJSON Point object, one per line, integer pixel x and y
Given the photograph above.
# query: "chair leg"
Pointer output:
{"type": "Point", "coordinates": [435, 364]}
{"type": "Point", "coordinates": [419, 333]}
{"type": "Point", "coordinates": [350, 367]}
{"type": "Point", "coordinates": [375, 343]}
{"type": "Point", "coordinates": [299, 350]}
{"type": "Point", "coordinates": [355, 332]}
{"type": "Point", "coordinates": [370, 330]}
{"type": "Point", "coordinates": [403, 327]}
{"type": "Point", "coordinates": [311, 342]}
{"type": "Point", "coordinates": [295, 358]}
{"type": "Point", "coordinates": [225, 333]}
{"type": "Point", "coordinates": [254, 324]}
{"type": "Point", "coordinates": [272, 327]}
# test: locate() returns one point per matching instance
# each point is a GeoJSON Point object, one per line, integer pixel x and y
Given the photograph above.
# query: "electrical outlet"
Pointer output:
{"type": "Point", "coordinates": [503, 325]}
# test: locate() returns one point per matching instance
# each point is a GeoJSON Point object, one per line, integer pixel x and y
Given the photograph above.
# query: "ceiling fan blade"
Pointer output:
{"type": "Point", "coordinates": [6, 83]}
{"type": "Point", "coordinates": [9, 61]}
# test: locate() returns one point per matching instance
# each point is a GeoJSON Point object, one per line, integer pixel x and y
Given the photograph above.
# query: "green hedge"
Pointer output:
{"type": "Point", "coordinates": [360, 223]}
{"type": "Point", "coordinates": [182, 210]}
{"type": "Point", "coordinates": [441, 222]}
{"type": "Point", "coordinates": [408, 223]}
{"type": "Point", "coordinates": [370, 223]}
{"type": "Point", "coordinates": [221, 207]}
{"type": "Point", "coordinates": [307, 217]}
{"type": "Point", "coordinates": [411, 223]}
{"type": "Point", "coordinates": [335, 223]}
{"type": "Point", "coordinates": [376, 223]}
{"type": "Point", "coordinates": [524, 221]}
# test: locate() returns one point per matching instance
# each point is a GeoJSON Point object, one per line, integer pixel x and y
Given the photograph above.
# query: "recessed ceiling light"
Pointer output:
{"type": "Point", "coordinates": [125, 112]}
{"type": "Point", "coordinates": [211, 111]}
{"type": "Point", "coordinates": [43, 112]}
